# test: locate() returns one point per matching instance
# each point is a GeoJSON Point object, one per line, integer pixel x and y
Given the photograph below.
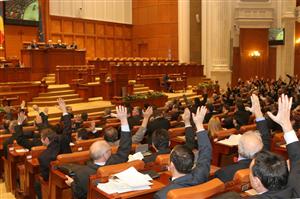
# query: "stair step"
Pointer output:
{"type": "Point", "coordinates": [95, 99]}
{"type": "Point", "coordinates": [53, 103]}
{"type": "Point", "coordinates": [138, 85]}
{"type": "Point", "coordinates": [51, 75]}
{"type": "Point", "coordinates": [143, 92]}
{"type": "Point", "coordinates": [52, 98]}
{"type": "Point", "coordinates": [140, 89]}
{"type": "Point", "coordinates": [59, 87]}
{"type": "Point", "coordinates": [57, 93]}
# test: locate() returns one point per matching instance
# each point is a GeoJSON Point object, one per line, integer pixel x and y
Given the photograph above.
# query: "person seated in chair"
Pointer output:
{"type": "Point", "coordinates": [111, 134]}
{"type": "Point", "coordinates": [250, 143]}
{"type": "Point", "coordinates": [166, 84]}
{"type": "Point", "coordinates": [184, 173]}
{"type": "Point", "coordinates": [101, 155]}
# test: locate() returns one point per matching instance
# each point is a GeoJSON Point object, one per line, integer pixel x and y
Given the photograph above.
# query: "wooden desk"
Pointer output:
{"type": "Point", "coordinates": [31, 170]}
{"type": "Point", "coordinates": [13, 159]}
{"type": "Point", "coordinates": [43, 61]}
{"type": "Point", "coordinates": [158, 184]}
{"type": "Point", "coordinates": [15, 74]}
{"type": "Point", "coordinates": [219, 150]}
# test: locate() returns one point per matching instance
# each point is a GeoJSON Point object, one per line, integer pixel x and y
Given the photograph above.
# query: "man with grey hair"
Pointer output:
{"type": "Point", "coordinates": [249, 144]}
{"type": "Point", "coordinates": [101, 155]}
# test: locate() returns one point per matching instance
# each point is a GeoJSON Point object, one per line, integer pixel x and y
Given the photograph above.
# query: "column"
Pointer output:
{"type": "Point", "coordinates": [184, 31]}
{"type": "Point", "coordinates": [216, 21]}
{"type": "Point", "coordinates": [286, 53]}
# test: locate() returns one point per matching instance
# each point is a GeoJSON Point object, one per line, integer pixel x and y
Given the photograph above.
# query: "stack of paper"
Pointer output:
{"type": "Point", "coordinates": [233, 140]}
{"type": "Point", "coordinates": [128, 180]}
{"type": "Point", "coordinates": [136, 156]}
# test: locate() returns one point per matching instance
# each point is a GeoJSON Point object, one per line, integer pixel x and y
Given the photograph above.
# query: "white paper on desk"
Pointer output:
{"type": "Point", "coordinates": [133, 178]}
{"type": "Point", "coordinates": [233, 140]}
{"type": "Point", "coordinates": [21, 150]}
{"type": "Point", "coordinates": [136, 156]}
{"type": "Point", "coordinates": [118, 186]}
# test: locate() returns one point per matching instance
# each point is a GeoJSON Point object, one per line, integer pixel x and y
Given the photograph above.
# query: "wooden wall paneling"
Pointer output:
{"type": "Point", "coordinates": [90, 50]}
{"type": "Point", "coordinates": [15, 36]}
{"type": "Point", "coordinates": [101, 39]}
{"type": "Point", "coordinates": [109, 47]}
{"type": "Point", "coordinates": [271, 73]}
{"type": "Point", "coordinates": [155, 20]}
{"type": "Point", "coordinates": [80, 41]}
{"type": "Point", "coordinates": [78, 26]}
{"type": "Point", "coordinates": [100, 29]}
{"type": "Point", "coordinates": [250, 40]}
{"type": "Point", "coordinates": [118, 48]}
{"type": "Point", "coordinates": [56, 25]}
{"type": "Point", "coordinates": [100, 46]}
{"type": "Point", "coordinates": [67, 26]}
{"type": "Point", "coordinates": [90, 28]}
{"type": "Point", "coordinates": [68, 38]}
{"type": "Point", "coordinates": [297, 50]}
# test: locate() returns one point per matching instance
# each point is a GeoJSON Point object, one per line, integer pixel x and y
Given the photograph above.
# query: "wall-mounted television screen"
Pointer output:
{"type": "Point", "coordinates": [276, 36]}
{"type": "Point", "coordinates": [22, 12]}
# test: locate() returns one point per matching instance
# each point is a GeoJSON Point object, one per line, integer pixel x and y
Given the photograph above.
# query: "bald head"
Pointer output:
{"type": "Point", "coordinates": [249, 144]}
{"type": "Point", "coordinates": [100, 151]}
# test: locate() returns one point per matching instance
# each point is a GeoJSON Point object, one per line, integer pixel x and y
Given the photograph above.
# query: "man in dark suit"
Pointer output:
{"type": "Point", "coordinates": [160, 143]}
{"type": "Point", "coordinates": [182, 160]}
{"type": "Point", "coordinates": [269, 174]}
{"type": "Point", "coordinates": [249, 144]}
{"type": "Point", "coordinates": [136, 117]}
{"type": "Point", "coordinates": [100, 153]}
{"type": "Point", "coordinates": [241, 116]}
{"type": "Point", "coordinates": [56, 144]}
{"type": "Point", "coordinates": [158, 122]}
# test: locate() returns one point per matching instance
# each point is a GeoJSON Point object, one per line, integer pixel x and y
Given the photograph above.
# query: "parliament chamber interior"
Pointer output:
{"type": "Point", "coordinates": [162, 99]}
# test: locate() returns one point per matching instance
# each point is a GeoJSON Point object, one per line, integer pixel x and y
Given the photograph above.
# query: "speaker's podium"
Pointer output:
{"type": "Point", "coordinates": [44, 60]}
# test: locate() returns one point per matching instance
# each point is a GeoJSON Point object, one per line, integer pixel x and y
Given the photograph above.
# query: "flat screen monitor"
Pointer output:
{"type": "Point", "coordinates": [22, 12]}
{"type": "Point", "coordinates": [276, 36]}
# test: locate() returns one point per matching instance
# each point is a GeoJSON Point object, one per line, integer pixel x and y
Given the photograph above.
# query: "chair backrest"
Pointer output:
{"type": "Point", "coordinates": [240, 182]}
{"type": "Point", "coordinates": [249, 127]}
{"type": "Point", "coordinates": [83, 145]}
{"type": "Point", "coordinates": [204, 190]}
{"type": "Point", "coordinates": [162, 159]}
{"type": "Point", "coordinates": [75, 157]}
{"type": "Point", "coordinates": [225, 133]}
{"type": "Point", "coordinates": [37, 150]}
{"type": "Point", "coordinates": [174, 132]}
{"type": "Point", "coordinates": [112, 124]}
{"type": "Point", "coordinates": [106, 171]}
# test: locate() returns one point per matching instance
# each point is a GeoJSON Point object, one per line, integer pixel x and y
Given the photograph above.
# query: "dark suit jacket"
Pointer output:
{"type": "Point", "coordinates": [134, 121]}
{"type": "Point", "coordinates": [81, 179]}
{"type": "Point", "coordinates": [200, 172]}
{"type": "Point", "coordinates": [23, 141]}
{"type": "Point", "coordinates": [242, 117]}
{"type": "Point", "coordinates": [293, 188]}
{"type": "Point", "coordinates": [158, 123]}
{"type": "Point", "coordinates": [47, 156]}
{"type": "Point", "coordinates": [227, 173]}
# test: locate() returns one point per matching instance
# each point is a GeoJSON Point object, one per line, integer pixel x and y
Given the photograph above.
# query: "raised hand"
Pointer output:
{"type": "Point", "coordinates": [186, 116]}
{"type": "Point", "coordinates": [35, 108]}
{"type": "Point", "coordinates": [122, 114]}
{"type": "Point", "coordinates": [62, 105]}
{"type": "Point", "coordinates": [46, 110]}
{"type": "Point", "coordinates": [23, 104]}
{"type": "Point", "coordinates": [38, 119]}
{"type": "Point", "coordinates": [21, 117]}
{"type": "Point", "coordinates": [199, 117]}
{"type": "Point", "coordinates": [148, 112]}
{"type": "Point", "coordinates": [255, 108]}
{"type": "Point", "coordinates": [284, 112]}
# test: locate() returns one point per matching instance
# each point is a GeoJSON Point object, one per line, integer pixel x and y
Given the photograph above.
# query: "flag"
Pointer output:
{"type": "Point", "coordinates": [1, 25]}
{"type": "Point", "coordinates": [41, 35]}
